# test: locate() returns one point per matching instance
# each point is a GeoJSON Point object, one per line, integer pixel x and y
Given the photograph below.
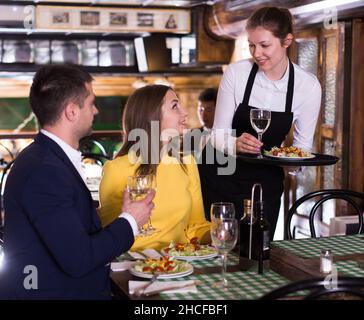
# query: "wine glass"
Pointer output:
{"type": "Point", "coordinates": [260, 121]}
{"type": "Point", "coordinates": [222, 210]}
{"type": "Point", "coordinates": [224, 234]}
{"type": "Point", "coordinates": [139, 186]}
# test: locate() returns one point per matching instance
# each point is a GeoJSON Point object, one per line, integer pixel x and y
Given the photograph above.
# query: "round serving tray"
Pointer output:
{"type": "Point", "coordinates": [318, 160]}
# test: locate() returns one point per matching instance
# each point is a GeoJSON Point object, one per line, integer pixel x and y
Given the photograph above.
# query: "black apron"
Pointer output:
{"type": "Point", "coordinates": [237, 187]}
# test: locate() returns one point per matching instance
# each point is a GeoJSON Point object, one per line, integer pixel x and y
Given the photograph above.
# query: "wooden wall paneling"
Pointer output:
{"type": "Point", "coordinates": [339, 116]}
{"type": "Point", "coordinates": [211, 49]}
{"type": "Point", "coordinates": [10, 88]}
{"type": "Point", "coordinates": [292, 183]}
{"type": "Point", "coordinates": [113, 85]}
{"type": "Point", "coordinates": [103, 86]}
{"type": "Point", "coordinates": [335, 131]}
{"type": "Point", "coordinates": [356, 144]}
{"type": "Point", "coordinates": [188, 90]}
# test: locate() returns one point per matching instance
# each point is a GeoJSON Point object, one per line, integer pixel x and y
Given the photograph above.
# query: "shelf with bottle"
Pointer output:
{"type": "Point", "coordinates": [87, 52]}
{"type": "Point", "coordinates": [101, 54]}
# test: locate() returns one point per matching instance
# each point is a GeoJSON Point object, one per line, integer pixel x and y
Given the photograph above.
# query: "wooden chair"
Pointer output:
{"type": "Point", "coordinates": [324, 195]}
{"type": "Point", "coordinates": [346, 288]}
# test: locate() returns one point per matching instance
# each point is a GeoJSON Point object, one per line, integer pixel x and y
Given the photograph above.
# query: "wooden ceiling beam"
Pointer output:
{"type": "Point", "coordinates": [225, 21]}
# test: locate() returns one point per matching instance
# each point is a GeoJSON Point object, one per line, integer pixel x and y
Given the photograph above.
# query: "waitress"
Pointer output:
{"type": "Point", "coordinates": [267, 81]}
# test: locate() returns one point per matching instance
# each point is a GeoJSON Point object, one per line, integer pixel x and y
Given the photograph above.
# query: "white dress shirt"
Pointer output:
{"type": "Point", "coordinates": [267, 94]}
{"type": "Point", "coordinates": [75, 157]}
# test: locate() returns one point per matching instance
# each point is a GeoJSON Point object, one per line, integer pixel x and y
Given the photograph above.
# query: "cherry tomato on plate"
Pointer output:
{"type": "Point", "coordinates": [147, 269]}
{"type": "Point", "coordinates": [194, 240]}
{"type": "Point", "coordinates": [158, 269]}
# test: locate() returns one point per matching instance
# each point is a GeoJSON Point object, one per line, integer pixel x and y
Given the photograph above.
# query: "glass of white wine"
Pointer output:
{"type": "Point", "coordinates": [260, 121]}
{"type": "Point", "coordinates": [224, 235]}
{"type": "Point", "coordinates": [139, 186]}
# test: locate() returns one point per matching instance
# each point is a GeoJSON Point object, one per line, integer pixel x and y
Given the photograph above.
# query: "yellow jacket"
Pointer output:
{"type": "Point", "coordinates": [178, 211]}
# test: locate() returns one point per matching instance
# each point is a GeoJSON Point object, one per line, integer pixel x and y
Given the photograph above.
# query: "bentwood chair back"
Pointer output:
{"type": "Point", "coordinates": [346, 288]}
{"type": "Point", "coordinates": [321, 197]}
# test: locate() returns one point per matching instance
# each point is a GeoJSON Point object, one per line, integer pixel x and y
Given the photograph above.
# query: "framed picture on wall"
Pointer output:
{"type": "Point", "coordinates": [118, 19]}
{"type": "Point", "coordinates": [171, 22]}
{"type": "Point", "coordinates": [60, 17]}
{"type": "Point", "coordinates": [113, 19]}
{"type": "Point", "coordinates": [89, 18]}
{"type": "Point", "coordinates": [145, 19]}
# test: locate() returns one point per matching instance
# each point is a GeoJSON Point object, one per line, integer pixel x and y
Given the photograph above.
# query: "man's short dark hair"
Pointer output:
{"type": "Point", "coordinates": [53, 87]}
{"type": "Point", "coordinates": [209, 94]}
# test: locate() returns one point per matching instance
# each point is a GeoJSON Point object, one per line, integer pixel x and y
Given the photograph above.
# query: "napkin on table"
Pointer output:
{"type": "Point", "coordinates": [152, 253]}
{"type": "Point", "coordinates": [160, 285]}
{"type": "Point", "coordinates": [136, 255]}
{"type": "Point", "coordinates": [121, 266]}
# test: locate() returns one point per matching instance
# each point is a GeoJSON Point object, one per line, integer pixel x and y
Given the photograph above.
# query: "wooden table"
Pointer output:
{"type": "Point", "coordinates": [287, 262]}
{"type": "Point", "coordinates": [291, 260]}
{"type": "Point", "coordinates": [120, 281]}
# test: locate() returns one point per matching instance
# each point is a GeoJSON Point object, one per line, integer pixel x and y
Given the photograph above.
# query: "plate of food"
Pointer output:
{"type": "Point", "coordinates": [166, 268]}
{"type": "Point", "coordinates": [288, 153]}
{"type": "Point", "coordinates": [189, 251]}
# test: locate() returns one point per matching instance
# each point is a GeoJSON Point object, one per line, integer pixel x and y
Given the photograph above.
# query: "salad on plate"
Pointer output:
{"type": "Point", "coordinates": [288, 152]}
{"type": "Point", "coordinates": [189, 250]}
{"type": "Point", "coordinates": [163, 265]}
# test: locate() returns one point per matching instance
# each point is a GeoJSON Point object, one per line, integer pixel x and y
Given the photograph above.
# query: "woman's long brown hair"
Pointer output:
{"type": "Point", "coordinates": [143, 107]}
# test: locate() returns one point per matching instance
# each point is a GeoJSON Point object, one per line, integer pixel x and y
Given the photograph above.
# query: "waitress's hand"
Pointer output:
{"type": "Point", "coordinates": [247, 143]}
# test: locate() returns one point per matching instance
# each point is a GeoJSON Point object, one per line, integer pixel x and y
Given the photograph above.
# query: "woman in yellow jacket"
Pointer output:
{"type": "Point", "coordinates": [153, 114]}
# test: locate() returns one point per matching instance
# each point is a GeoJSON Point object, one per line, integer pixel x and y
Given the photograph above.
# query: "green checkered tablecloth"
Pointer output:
{"type": "Point", "coordinates": [244, 286]}
{"type": "Point", "coordinates": [248, 285]}
{"type": "Point", "coordinates": [311, 247]}
{"type": "Point", "coordinates": [233, 259]}
{"type": "Point", "coordinates": [349, 268]}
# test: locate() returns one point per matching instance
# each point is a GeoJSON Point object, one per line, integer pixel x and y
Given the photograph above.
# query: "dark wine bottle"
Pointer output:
{"type": "Point", "coordinates": [261, 234]}
{"type": "Point", "coordinates": [244, 230]}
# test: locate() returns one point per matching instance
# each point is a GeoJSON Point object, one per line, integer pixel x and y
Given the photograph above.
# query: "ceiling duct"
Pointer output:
{"type": "Point", "coordinates": [232, 5]}
{"type": "Point", "coordinates": [178, 3]}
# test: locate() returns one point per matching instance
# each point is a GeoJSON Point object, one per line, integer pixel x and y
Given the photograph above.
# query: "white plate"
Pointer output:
{"type": "Point", "coordinates": [184, 273]}
{"type": "Point", "coordinates": [191, 258]}
{"type": "Point", "coordinates": [290, 158]}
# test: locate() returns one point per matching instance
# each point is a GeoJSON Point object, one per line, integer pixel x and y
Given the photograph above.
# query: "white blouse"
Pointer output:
{"type": "Point", "coordinates": [270, 95]}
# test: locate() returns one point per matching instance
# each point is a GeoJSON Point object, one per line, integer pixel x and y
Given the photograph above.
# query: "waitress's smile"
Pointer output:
{"type": "Point", "coordinates": [269, 52]}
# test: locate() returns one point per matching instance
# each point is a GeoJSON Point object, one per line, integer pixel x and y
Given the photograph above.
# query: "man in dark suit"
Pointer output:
{"type": "Point", "coordinates": [55, 247]}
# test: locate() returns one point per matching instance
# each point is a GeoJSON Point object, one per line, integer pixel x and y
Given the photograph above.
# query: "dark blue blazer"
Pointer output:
{"type": "Point", "coordinates": [51, 224]}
